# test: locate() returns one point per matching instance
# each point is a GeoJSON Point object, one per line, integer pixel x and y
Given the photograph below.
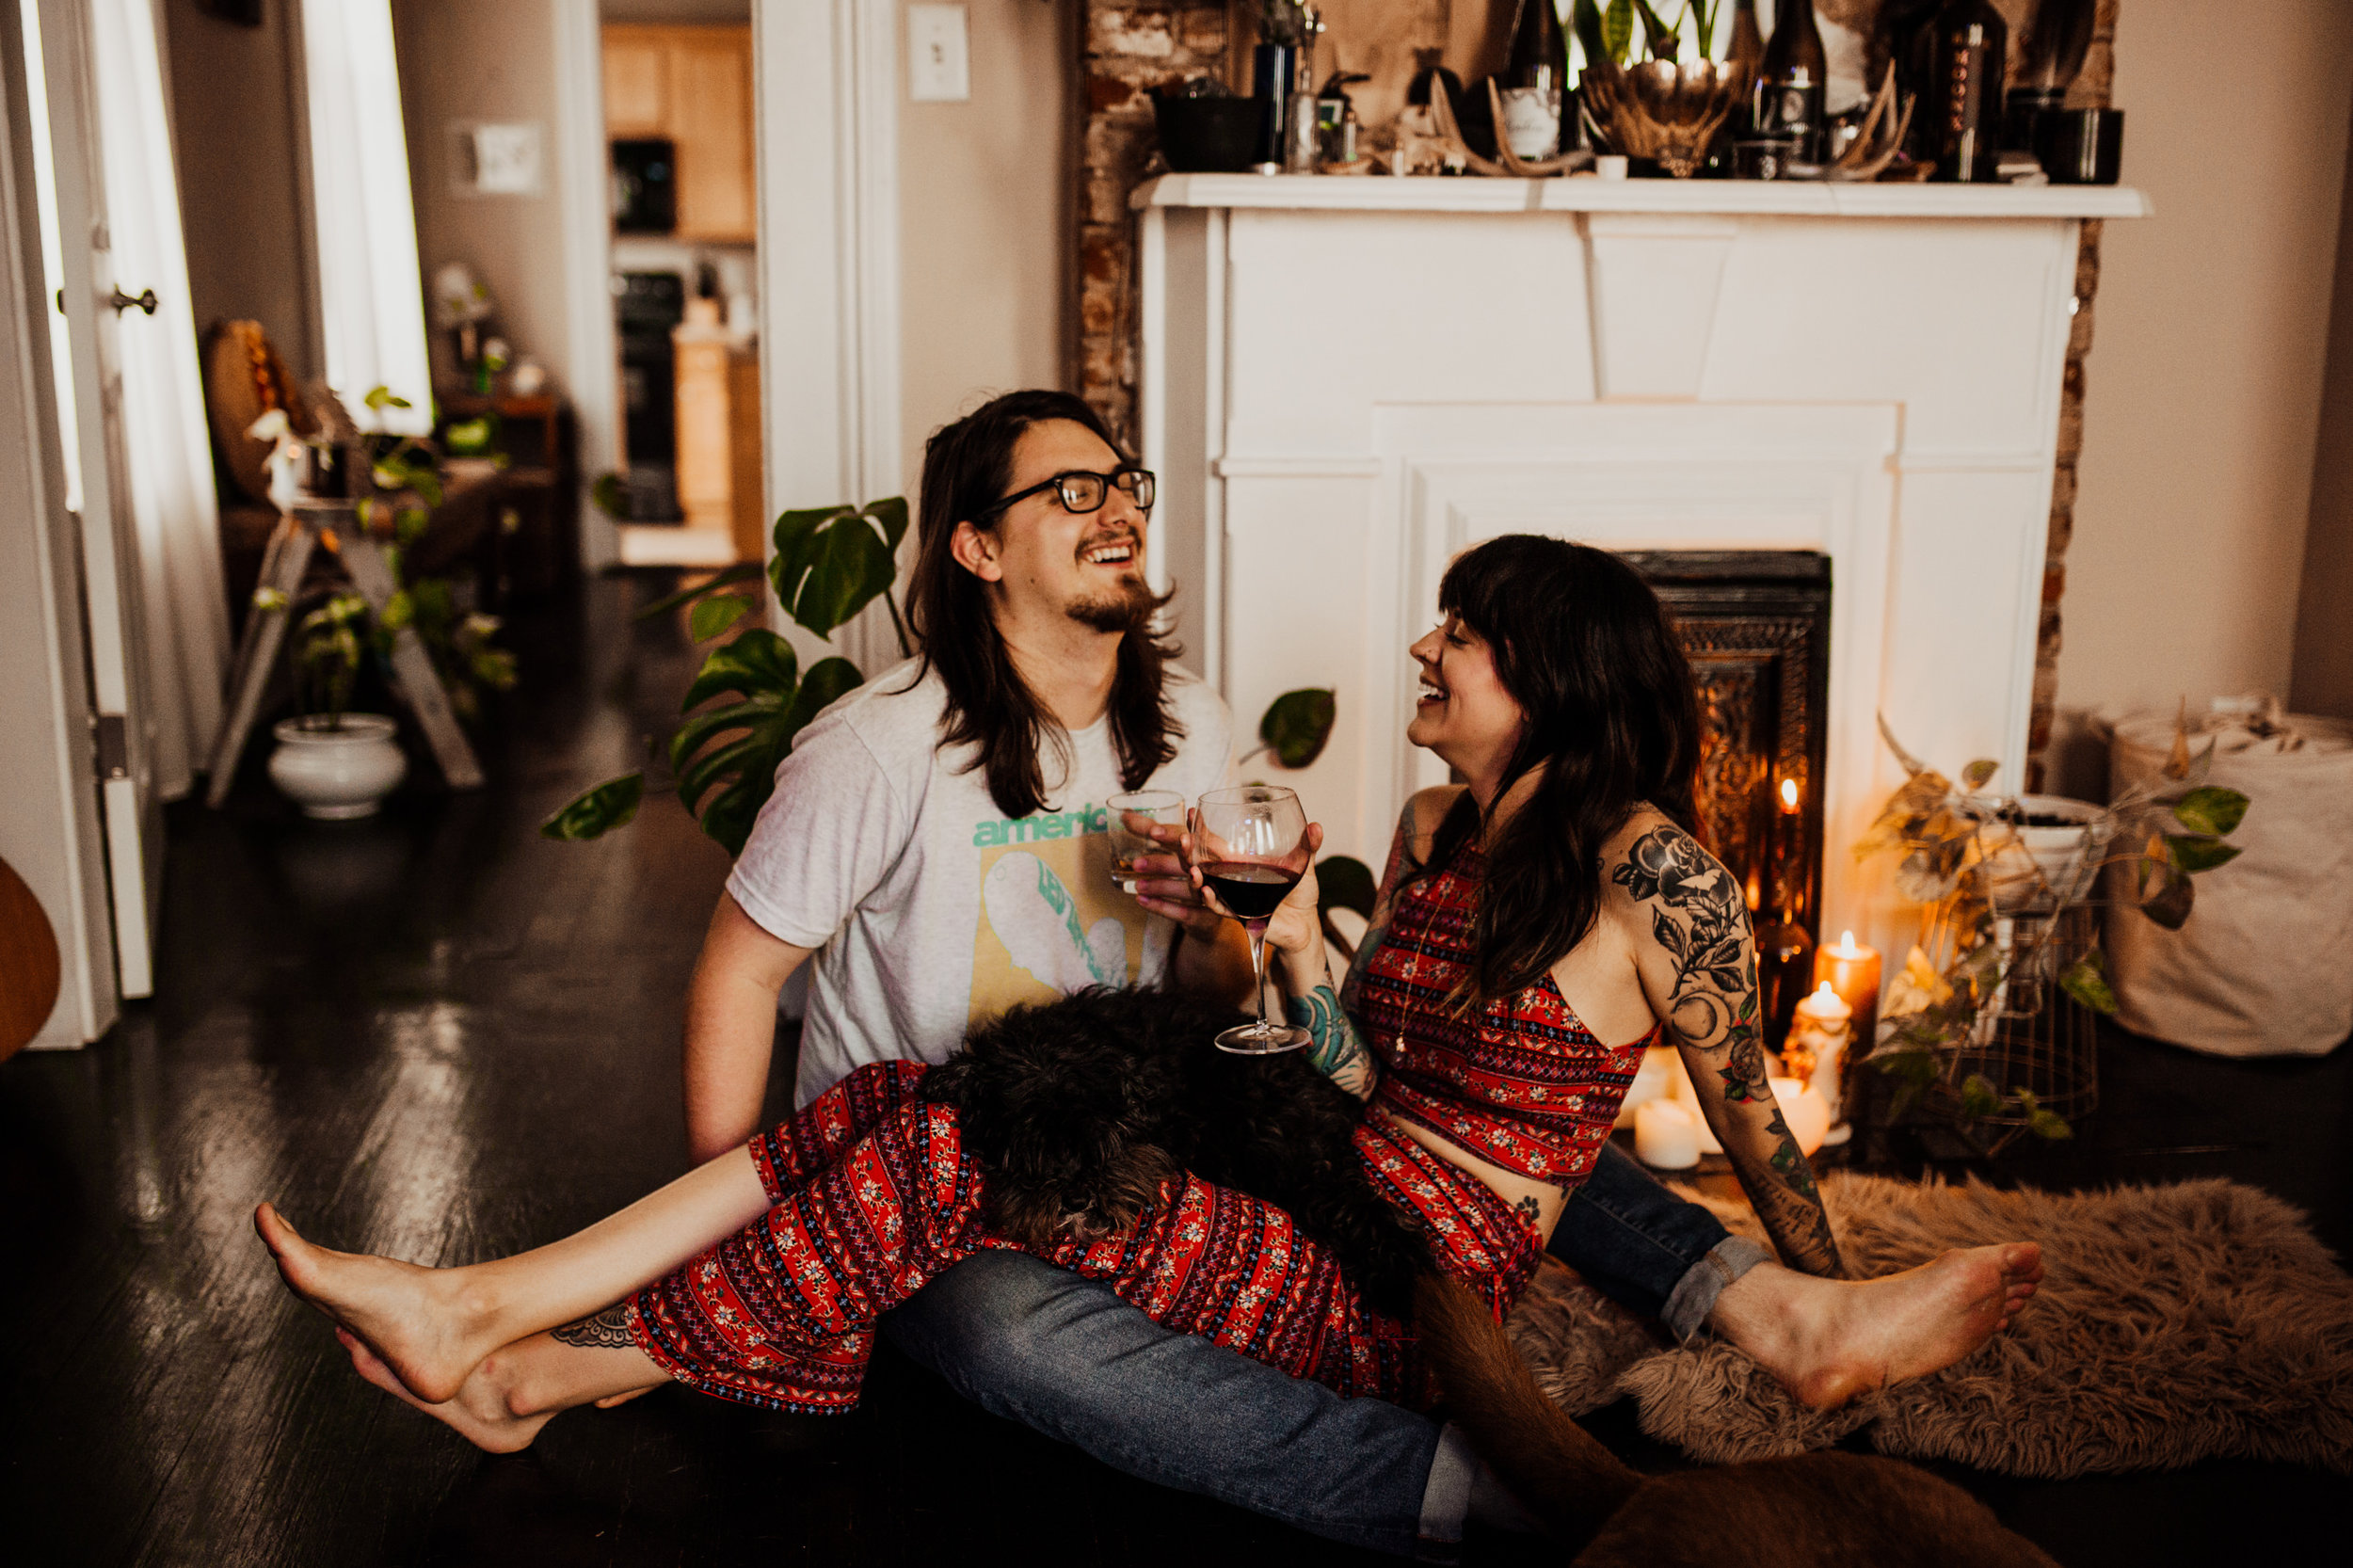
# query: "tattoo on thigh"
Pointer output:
{"type": "Point", "coordinates": [603, 1331]}
{"type": "Point", "coordinates": [1528, 1209]}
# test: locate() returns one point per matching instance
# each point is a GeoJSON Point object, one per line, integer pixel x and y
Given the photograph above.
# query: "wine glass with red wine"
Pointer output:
{"type": "Point", "coordinates": [1251, 845]}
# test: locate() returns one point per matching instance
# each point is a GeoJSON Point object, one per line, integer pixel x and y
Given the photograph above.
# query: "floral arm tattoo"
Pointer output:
{"type": "Point", "coordinates": [607, 1330]}
{"type": "Point", "coordinates": [1701, 924]}
{"type": "Point", "coordinates": [1334, 1046]}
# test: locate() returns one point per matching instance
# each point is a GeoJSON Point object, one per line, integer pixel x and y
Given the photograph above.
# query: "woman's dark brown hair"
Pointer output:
{"type": "Point", "coordinates": [967, 466]}
{"type": "Point", "coordinates": [1587, 650]}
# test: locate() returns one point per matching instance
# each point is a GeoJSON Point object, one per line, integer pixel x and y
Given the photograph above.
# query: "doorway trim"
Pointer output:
{"type": "Point", "coordinates": [584, 203]}
{"type": "Point", "coordinates": [825, 86]}
{"type": "Point", "coordinates": [827, 80]}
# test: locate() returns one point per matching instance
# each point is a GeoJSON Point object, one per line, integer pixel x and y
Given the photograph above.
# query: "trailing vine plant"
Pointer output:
{"type": "Point", "coordinates": [1961, 856]}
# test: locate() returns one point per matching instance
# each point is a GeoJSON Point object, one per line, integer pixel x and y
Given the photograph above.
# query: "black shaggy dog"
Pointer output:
{"type": "Point", "coordinates": [1079, 1112]}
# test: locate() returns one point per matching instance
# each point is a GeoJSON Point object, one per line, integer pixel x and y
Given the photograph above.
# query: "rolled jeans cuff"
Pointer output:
{"type": "Point", "coordinates": [1446, 1499]}
{"type": "Point", "coordinates": [1694, 1297]}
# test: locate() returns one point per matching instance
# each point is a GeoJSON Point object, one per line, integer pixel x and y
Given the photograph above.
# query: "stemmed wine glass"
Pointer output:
{"type": "Point", "coordinates": [1251, 846]}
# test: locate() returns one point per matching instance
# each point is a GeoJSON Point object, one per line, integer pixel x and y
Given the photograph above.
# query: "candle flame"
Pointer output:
{"type": "Point", "coordinates": [1788, 795]}
{"type": "Point", "coordinates": [1826, 992]}
{"type": "Point", "coordinates": [1846, 941]}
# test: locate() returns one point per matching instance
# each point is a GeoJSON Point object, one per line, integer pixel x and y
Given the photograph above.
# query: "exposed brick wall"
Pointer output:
{"type": "Point", "coordinates": [1124, 50]}
{"type": "Point", "coordinates": [2092, 90]}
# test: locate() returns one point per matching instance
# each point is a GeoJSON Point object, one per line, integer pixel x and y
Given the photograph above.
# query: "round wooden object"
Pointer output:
{"type": "Point", "coordinates": [29, 969]}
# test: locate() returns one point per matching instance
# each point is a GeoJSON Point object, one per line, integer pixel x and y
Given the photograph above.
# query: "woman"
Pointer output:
{"type": "Point", "coordinates": [1553, 902]}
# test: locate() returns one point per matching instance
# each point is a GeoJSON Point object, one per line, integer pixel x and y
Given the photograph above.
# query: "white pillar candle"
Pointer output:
{"type": "Point", "coordinates": [1821, 1027]}
{"type": "Point", "coordinates": [1805, 1111]}
{"type": "Point", "coordinates": [1666, 1135]}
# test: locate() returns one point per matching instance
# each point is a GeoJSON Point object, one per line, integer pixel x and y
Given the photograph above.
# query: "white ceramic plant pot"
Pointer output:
{"type": "Point", "coordinates": [339, 772]}
{"type": "Point", "coordinates": [2066, 857]}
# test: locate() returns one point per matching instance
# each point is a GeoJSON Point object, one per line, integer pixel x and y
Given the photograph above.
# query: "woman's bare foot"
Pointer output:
{"type": "Point", "coordinates": [419, 1323]}
{"type": "Point", "coordinates": [481, 1411]}
{"type": "Point", "coordinates": [1830, 1340]}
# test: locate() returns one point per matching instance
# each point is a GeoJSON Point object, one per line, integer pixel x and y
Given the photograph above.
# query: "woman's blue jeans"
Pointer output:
{"type": "Point", "coordinates": [1063, 1355]}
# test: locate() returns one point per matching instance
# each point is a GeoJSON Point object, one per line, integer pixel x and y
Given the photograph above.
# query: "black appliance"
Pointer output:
{"type": "Point", "coordinates": [647, 306]}
{"type": "Point", "coordinates": [645, 186]}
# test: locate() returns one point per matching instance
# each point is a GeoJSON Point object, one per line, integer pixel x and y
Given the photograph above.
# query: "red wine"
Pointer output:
{"type": "Point", "coordinates": [1249, 890]}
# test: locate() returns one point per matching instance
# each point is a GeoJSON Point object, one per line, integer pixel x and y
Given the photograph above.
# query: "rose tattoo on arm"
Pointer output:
{"type": "Point", "coordinates": [1700, 922]}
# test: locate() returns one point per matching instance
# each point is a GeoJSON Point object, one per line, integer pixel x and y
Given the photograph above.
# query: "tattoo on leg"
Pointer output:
{"type": "Point", "coordinates": [1527, 1209]}
{"type": "Point", "coordinates": [604, 1331]}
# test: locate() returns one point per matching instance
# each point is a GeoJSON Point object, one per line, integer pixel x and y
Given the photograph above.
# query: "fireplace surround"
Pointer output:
{"type": "Point", "coordinates": [1345, 382]}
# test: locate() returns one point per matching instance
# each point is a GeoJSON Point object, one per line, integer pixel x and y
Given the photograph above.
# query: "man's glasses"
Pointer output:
{"type": "Point", "coordinates": [1081, 491]}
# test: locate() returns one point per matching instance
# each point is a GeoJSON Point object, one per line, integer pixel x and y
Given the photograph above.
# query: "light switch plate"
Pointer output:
{"type": "Point", "coordinates": [940, 66]}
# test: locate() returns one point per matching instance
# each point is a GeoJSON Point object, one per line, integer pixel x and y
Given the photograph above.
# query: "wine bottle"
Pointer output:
{"type": "Point", "coordinates": [1791, 85]}
{"type": "Point", "coordinates": [1972, 50]}
{"type": "Point", "coordinates": [1535, 71]}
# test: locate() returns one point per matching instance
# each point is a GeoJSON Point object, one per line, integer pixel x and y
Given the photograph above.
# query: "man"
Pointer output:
{"type": "Point", "coordinates": [936, 844]}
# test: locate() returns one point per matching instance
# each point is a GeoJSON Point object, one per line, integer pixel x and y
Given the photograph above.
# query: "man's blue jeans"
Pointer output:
{"type": "Point", "coordinates": [1063, 1355]}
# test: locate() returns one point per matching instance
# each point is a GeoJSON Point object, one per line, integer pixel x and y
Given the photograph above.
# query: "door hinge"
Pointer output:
{"type": "Point", "coordinates": [114, 745]}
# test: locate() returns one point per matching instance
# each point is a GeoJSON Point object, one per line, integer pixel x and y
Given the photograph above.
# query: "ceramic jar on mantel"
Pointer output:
{"type": "Point", "coordinates": [340, 772]}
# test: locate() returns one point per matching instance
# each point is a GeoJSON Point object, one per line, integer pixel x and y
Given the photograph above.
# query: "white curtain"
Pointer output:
{"type": "Point", "coordinates": [167, 451]}
{"type": "Point", "coordinates": [372, 306]}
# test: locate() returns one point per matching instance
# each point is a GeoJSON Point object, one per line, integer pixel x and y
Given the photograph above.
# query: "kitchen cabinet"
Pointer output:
{"type": "Point", "coordinates": [692, 85]}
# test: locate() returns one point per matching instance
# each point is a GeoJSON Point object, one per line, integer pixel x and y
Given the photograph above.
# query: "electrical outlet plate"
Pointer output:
{"type": "Point", "coordinates": [939, 67]}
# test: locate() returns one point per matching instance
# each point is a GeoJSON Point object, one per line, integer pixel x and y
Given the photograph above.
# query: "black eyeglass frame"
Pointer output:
{"type": "Point", "coordinates": [1144, 492]}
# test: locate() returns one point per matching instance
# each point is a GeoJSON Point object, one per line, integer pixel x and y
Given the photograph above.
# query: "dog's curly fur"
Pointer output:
{"type": "Point", "coordinates": [1082, 1112]}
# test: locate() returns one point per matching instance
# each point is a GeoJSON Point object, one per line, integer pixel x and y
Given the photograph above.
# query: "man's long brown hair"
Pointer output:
{"type": "Point", "coordinates": [967, 466]}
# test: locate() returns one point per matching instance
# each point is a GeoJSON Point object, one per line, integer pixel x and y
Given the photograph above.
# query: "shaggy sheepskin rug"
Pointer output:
{"type": "Point", "coordinates": [2174, 1324]}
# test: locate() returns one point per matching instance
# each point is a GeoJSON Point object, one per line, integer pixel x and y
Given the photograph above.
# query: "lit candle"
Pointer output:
{"type": "Point", "coordinates": [1819, 1033]}
{"type": "Point", "coordinates": [1852, 971]}
{"type": "Point", "coordinates": [1806, 1112]}
{"type": "Point", "coordinates": [1666, 1135]}
{"type": "Point", "coordinates": [1789, 798]}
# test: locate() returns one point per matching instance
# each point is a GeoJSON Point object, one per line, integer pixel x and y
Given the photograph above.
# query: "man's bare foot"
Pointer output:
{"type": "Point", "coordinates": [1830, 1340]}
{"type": "Point", "coordinates": [481, 1411]}
{"type": "Point", "coordinates": [417, 1321]}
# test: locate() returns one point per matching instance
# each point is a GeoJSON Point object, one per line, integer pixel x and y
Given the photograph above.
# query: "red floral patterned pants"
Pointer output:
{"type": "Point", "coordinates": [874, 1196]}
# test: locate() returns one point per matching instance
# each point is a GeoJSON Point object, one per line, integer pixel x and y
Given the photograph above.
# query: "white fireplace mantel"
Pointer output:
{"type": "Point", "coordinates": [1346, 381]}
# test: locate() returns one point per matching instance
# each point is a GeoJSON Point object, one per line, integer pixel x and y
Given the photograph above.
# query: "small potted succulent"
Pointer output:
{"type": "Point", "coordinates": [333, 764]}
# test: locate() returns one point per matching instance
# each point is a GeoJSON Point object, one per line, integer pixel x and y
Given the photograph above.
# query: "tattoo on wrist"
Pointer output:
{"type": "Point", "coordinates": [1333, 1044]}
{"type": "Point", "coordinates": [603, 1331]}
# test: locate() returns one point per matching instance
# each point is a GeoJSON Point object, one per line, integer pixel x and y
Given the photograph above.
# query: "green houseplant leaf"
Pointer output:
{"type": "Point", "coordinates": [714, 615]}
{"type": "Point", "coordinates": [609, 806]}
{"type": "Point", "coordinates": [1297, 725]}
{"type": "Point", "coordinates": [2200, 855]}
{"type": "Point", "coordinates": [1979, 1099]}
{"type": "Point", "coordinates": [1979, 773]}
{"type": "Point", "coordinates": [742, 571]}
{"type": "Point", "coordinates": [2086, 981]}
{"type": "Point", "coordinates": [757, 663]}
{"type": "Point", "coordinates": [1617, 29]}
{"type": "Point", "coordinates": [2211, 809]}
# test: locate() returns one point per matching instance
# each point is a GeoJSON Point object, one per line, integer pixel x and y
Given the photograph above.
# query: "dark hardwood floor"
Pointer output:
{"type": "Point", "coordinates": [438, 1035]}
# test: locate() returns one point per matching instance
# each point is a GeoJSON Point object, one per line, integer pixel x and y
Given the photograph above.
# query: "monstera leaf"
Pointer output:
{"type": "Point", "coordinates": [830, 563]}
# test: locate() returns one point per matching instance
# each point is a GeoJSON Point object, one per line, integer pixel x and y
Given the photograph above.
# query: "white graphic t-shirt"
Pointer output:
{"type": "Point", "coordinates": [929, 907]}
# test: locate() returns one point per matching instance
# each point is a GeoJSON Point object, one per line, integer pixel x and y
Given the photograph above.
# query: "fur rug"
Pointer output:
{"type": "Point", "coordinates": [2174, 1324]}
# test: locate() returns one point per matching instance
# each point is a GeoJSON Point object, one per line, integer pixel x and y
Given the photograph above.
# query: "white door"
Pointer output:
{"type": "Point", "coordinates": [91, 297]}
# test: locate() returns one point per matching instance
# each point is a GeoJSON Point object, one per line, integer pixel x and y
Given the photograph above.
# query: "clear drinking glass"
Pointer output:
{"type": "Point", "coordinates": [1132, 812]}
{"type": "Point", "coordinates": [1251, 847]}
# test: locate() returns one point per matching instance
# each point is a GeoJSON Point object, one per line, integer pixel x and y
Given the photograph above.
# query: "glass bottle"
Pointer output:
{"type": "Point", "coordinates": [1535, 71]}
{"type": "Point", "coordinates": [1972, 49]}
{"type": "Point", "coordinates": [1791, 84]}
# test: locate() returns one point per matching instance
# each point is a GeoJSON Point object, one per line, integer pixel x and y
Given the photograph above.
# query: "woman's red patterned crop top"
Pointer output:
{"type": "Point", "coordinates": [1522, 1082]}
